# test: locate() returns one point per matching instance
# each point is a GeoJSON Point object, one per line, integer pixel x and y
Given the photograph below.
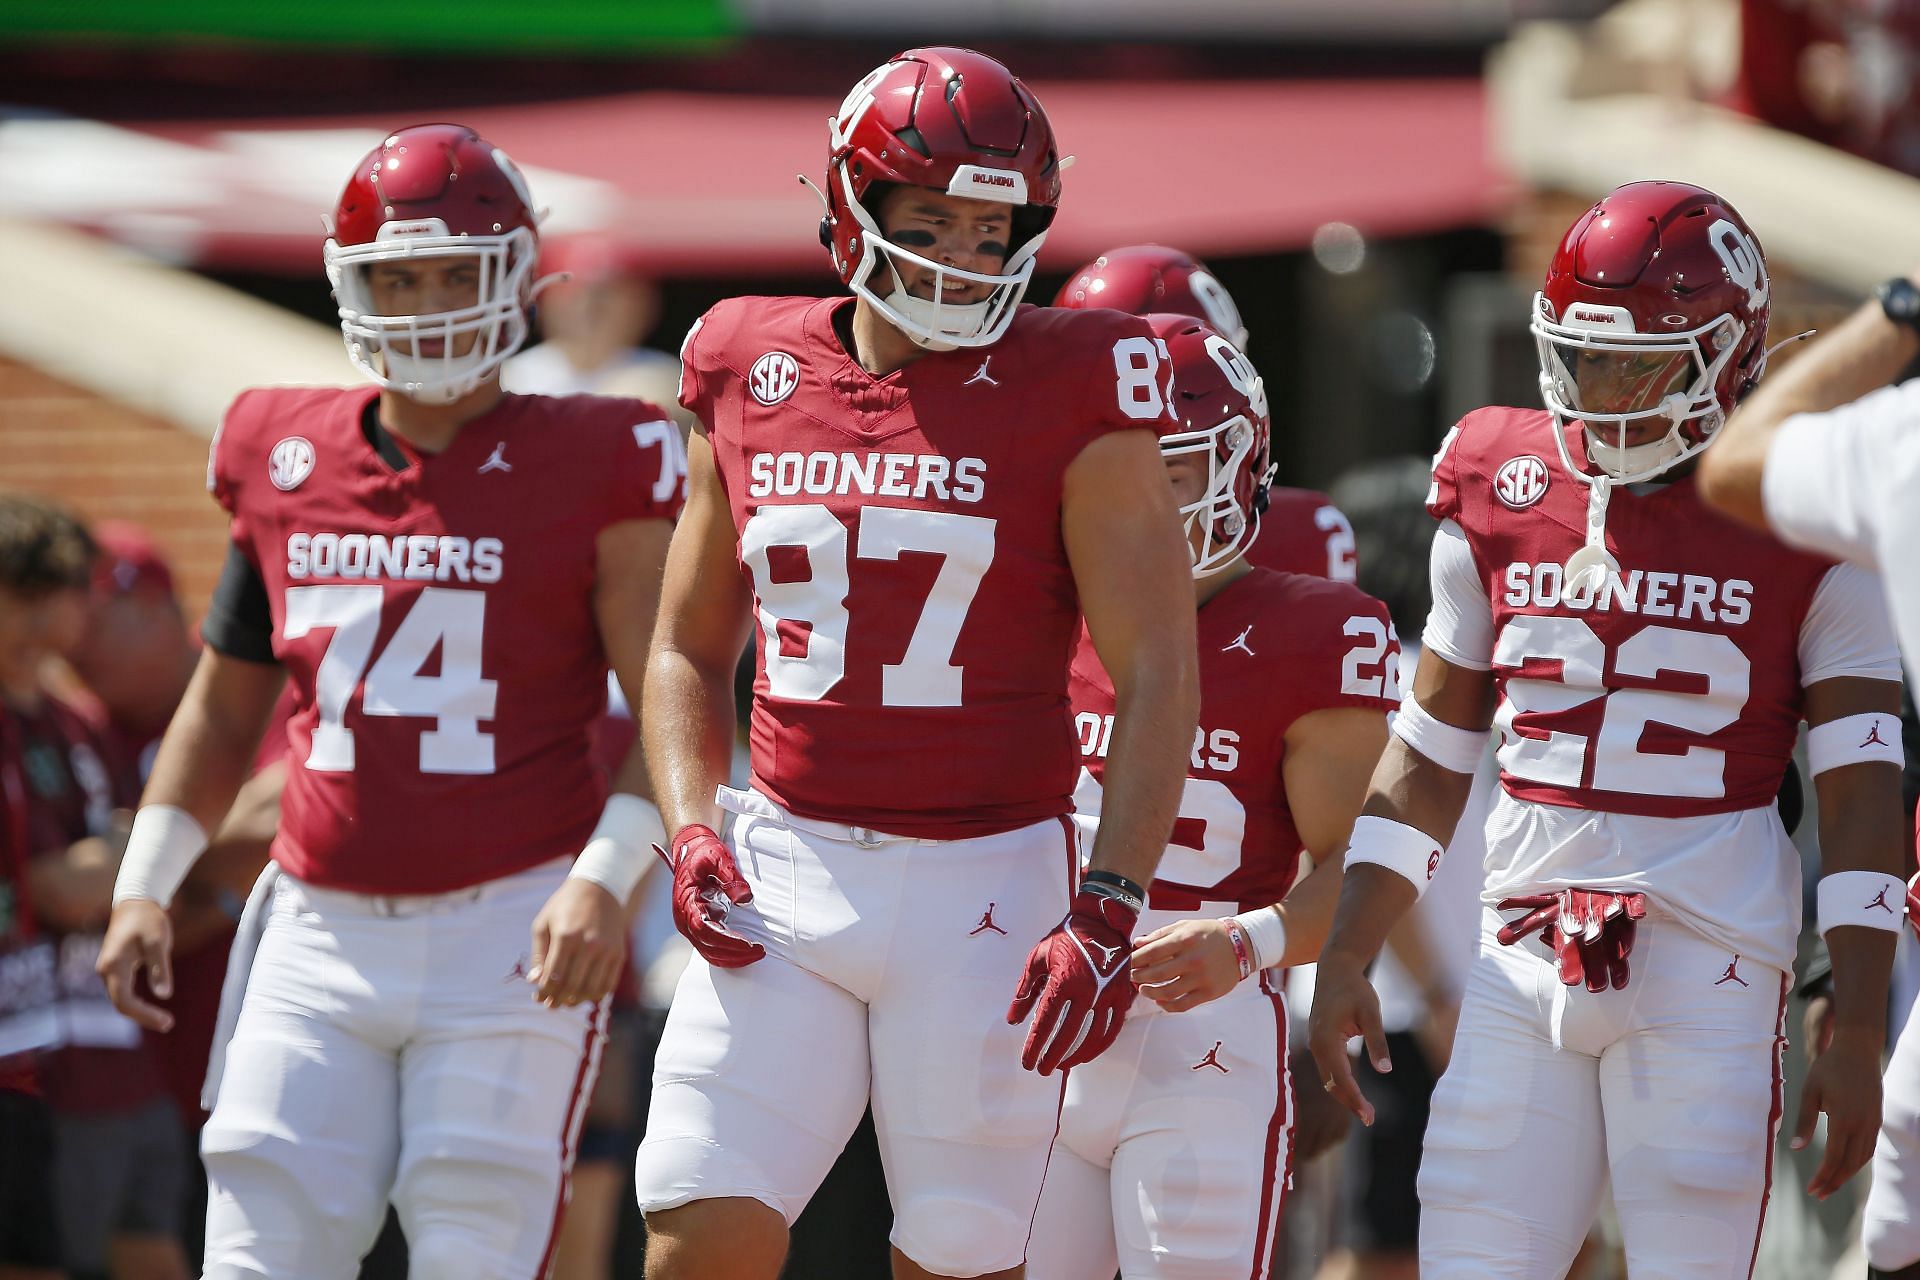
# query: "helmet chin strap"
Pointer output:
{"type": "Point", "coordinates": [1592, 567]}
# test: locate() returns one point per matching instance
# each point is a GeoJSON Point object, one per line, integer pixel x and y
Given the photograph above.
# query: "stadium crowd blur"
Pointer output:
{"type": "Point", "coordinates": [1371, 345]}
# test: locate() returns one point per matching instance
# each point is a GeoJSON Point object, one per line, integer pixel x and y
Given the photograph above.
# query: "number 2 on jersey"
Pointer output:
{"type": "Point", "coordinates": [442, 618]}
{"type": "Point", "coordinates": [926, 675]}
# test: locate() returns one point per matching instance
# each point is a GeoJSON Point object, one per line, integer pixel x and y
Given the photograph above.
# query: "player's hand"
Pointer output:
{"type": "Point", "coordinates": [706, 882]}
{"type": "Point", "coordinates": [1076, 985]}
{"type": "Point", "coordinates": [1184, 964]}
{"type": "Point", "coordinates": [139, 939]}
{"type": "Point", "coordinates": [579, 945]}
{"type": "Point", "coordinates": [1843, 1082]}
{"type": "Point", "coordinates": [1319, 1123]}
{"type": "Point", "coordinates": [1345, 1006]}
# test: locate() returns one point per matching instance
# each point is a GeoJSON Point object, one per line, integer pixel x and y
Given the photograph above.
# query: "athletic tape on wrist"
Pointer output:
{"type": "Point", "coordinates": [161, 849]}
{"type": "Point", "coordinates": [1871, 898]}
{"type": "Point", "coordinates": [1873, 735]}
{"type": "Point", "coordinates": [1449, 746]}
{"type": "Point", "coordinates": [620, 848]}
{"type": "Point", "coordinates": [1406, 851]}
{"type": "Point", "coordinates": [1266, 936]}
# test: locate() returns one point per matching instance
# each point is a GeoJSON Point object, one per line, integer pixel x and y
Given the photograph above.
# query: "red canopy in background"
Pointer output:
{"type": "Point", "coordinates": [704, 183]}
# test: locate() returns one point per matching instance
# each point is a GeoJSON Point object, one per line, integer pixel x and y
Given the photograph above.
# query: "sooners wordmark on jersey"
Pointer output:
{"type": "Point", "coordinates": [1675, 690]}
{"type": "Point", "coordinates": [901, 536]}
{"type": "Point", "coordinates": [1273, 647]}
{"type": "Point", "coordinates": [437, 626]}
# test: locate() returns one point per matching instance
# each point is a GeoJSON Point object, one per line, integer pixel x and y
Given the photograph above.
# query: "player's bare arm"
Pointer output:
{"type": "Point", "coordinates": [1330, 754]}
{"type": "Point", "coordinates": [1132, 569]}
{"type": "Point", "coordinates": [1866, 352]}
{"type": "Point", "coordinates": [686, 712]}
{"type": "Point", "coordinates": [579, 937]}
{"type": "Point", "coordinates": [1862, 829]}
{"type": "Point", "coordinates": [201, 763]}
{"type": "Point", "coordinates": [1418, 796]}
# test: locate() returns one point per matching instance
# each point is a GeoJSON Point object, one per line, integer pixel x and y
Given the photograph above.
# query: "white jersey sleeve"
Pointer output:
{"type": "Point", "coordinates": [1460, 628]}
{"type": "Point", "coordinates": [1832, 478]}
{"type": "Point", "coordinates": [1847, 630]}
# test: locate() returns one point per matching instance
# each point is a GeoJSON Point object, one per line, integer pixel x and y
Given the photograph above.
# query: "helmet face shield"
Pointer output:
{"type": "Point", "coordinates": [1646, 402]}
{"type": "Point", "coordinates": [434, 357]}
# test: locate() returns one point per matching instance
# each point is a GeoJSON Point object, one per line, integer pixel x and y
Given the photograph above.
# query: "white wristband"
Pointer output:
{"type": "Point", "coordinates": [1872, 735]}
{"type": "Point", "coordinates": [161, 849]}
{"type": "Point", "coordinates": [1266, 935]}
{"type": "Point", "coordinates": [1871, 898]}
{"type": "Point", "coordinates": [1454, 749]}
{"type": "Point", "coordinates": [620, 849]}
{"type": "Point", "coordinates": [1406, 851]}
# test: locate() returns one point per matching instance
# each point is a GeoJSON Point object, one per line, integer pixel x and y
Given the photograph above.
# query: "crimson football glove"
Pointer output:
{"type": "Point", "coordinates": [1077, 975]}
{"type": "Point", "coordinates": [1913, 903]}
{"type": "Point", "coordinates": [1591, 932]}
{"type": "Point", "coordinates": [706, 882]}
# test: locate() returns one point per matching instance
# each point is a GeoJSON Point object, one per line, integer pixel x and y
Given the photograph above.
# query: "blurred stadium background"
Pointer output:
{"type": "Point", "coordinates": [1379, 183]}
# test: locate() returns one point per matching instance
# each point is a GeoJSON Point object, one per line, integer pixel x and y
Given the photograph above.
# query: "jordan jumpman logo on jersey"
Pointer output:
{"type": "Point", "coordinates": [981, 375]}
{"type": "Point", "coordinates": [1240, 642]}
{"type": "Point", "coordinates": [1731, 975]}
{"type": "Point", "coordinates": [986, 922]}
{"type": "Point", "coordinates": [495, 460]}
{"type": "Point", "coordinates": [1211, 1060]}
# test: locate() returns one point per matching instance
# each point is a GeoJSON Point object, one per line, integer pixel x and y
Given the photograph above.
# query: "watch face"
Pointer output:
{"type": "Point", "coordinates": [1900, 299]}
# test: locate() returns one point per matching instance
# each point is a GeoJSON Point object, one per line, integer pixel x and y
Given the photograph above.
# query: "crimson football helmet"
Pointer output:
{"type": "Point", "coordinates": [959, 122]}
{"type": "Point", "coordinates": [434, 191]}
{"type": "Point", "coordinates": [1221, 406]}
{"type": "Point", "coordinates": [1654, 310]}
{"type": "Point", "coordinates": [1145, 278]}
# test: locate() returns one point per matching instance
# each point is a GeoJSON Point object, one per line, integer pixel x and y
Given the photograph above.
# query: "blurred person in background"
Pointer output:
{"type": "Point", "coordinates": [1651, 663]}
{"type": "Point", "coordinates": [594, 321]}
{"type": "Point", "coordinates": [134, 660]}
{"type": "Point", "coordinates": [1302, 530]}
{"type": "Point", "coordinates": [1422, 970]}
{"type": "Point", "coordinates": [119, 1147]}
{"type": "Point", "coordinates": [446, 572]}
{"type": "Point", "coordinates": [1174, 1153]}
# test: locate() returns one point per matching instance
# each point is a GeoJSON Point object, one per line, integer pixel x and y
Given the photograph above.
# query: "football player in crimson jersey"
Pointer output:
{"type": "Point", "coordinates": [1175, 1145]}
{"type": "Point", "coordinates": [915, 493]}
{"type": "Point", "coordinates": [1301, 531]}
{"type": "Point", "coordinates": [444, 572]}
{"type": "Point", "coordinates": [1648, 663]}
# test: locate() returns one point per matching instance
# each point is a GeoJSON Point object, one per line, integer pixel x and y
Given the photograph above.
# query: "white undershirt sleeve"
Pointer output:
{"type": "Point", "coordinates": [1847, 630]}
{"type": "Point", "coordinates": [1830, 476]}
{"type": "Point", "coordinates": [1460, 628]}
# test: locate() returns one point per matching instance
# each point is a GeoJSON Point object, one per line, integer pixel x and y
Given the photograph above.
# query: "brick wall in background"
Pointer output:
{"type": "Point", "coordinates": [108, 461]}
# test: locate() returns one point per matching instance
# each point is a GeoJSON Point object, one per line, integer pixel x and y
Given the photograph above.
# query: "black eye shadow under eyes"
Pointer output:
{"type": "Point", "coordinates": [992, 248]}
{"type": "Point", "coordinates": [913, 239]}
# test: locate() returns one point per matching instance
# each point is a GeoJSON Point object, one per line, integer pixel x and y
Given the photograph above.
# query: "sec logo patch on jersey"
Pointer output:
{"type": "Point", "coordinates": [290, 463]}
{"type": "Point", "coordinates": [1521, 481]}
{"type": "Point", "coordinates": [773, 377]}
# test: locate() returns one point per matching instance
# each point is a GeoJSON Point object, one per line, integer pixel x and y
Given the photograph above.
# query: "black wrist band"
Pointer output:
{"type": "Point", "coordinates": [1112, 884]}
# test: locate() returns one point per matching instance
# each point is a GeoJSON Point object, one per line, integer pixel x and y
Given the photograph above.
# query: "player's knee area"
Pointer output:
{"type": "Point", "coordinates": [953, 1237]}
{"type": "Point", "coordinates": [1465, 1241]}
{"type": "Point", "coordinates": [442, 1253]}
{"type": "Point", "coordinates": [676, 1170]}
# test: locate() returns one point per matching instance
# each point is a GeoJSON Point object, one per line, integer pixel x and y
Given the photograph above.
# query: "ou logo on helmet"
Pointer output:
{"type": "Point", "coordinates": [1521, 481]}
{"type": "Point", "coordinates": [773, 377]}
{"type": "Point", "coordinates": [1239, 371]}
{"type": "Point", "coordinates": [858, 100]}
{"type": "Point", "coordinates": [1741, 256]}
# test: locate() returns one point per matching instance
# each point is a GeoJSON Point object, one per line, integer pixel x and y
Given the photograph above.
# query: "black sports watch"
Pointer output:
{"type": "Point", "coordinates": [1900, 302]}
